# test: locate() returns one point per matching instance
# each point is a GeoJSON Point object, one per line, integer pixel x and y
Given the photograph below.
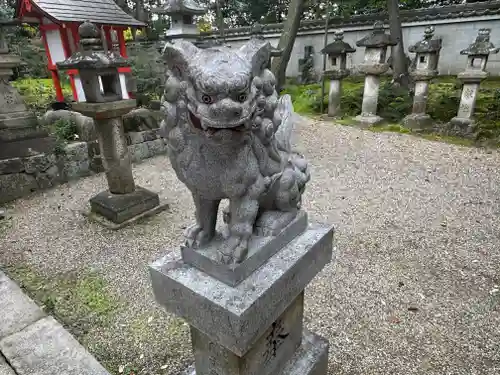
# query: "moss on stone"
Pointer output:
{"type": "Point", "coordinates": [79, 300]}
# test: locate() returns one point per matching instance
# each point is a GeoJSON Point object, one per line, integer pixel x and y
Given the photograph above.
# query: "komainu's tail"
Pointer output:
{"type": "Point", "coordinates": [285, 130]}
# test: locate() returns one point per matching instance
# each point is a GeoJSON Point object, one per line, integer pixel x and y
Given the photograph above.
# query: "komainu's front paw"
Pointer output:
{"type": "Point", "coordinates": [196, 237]}
{"type": "Point", "coordinates": [234, 251]}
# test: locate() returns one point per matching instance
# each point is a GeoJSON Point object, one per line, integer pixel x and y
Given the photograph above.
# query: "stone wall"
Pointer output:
{"type": "Point", "coordinates": [141, 145]}
{"type": "Point", "coordinates": [22, 176]}
{"type": "Point", "coordinates": [456, 25]}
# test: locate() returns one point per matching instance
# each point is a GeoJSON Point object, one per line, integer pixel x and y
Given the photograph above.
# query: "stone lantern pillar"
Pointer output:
{"type": "Point", "coordinates": [427, 58]}
{"type": "Point", "coordinates": [16, 122]}
{"type": "Point", "coordinates": [337, 54]}
{"type": "Point", "coordinates": [107, 101]}
{"type": "Point", "coordinates": [373, 66]}
{"type": "Point", "coordinates": [475, 72]}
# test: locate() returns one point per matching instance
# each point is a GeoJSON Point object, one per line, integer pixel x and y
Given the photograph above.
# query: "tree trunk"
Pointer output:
{"type": "Point", "coordinates": [287, 39]}
{"type": "Point", "coordinates": [399, 62]}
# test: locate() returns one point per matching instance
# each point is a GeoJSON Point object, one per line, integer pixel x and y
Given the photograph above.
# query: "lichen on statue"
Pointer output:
{"type": "Point", "coordinates": [229, 137]}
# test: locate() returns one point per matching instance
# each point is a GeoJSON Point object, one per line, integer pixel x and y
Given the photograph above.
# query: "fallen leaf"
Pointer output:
{"type": "Point", "coordinates": [394, 320]}
{"type": "Point", "coordinates": [163, 367]}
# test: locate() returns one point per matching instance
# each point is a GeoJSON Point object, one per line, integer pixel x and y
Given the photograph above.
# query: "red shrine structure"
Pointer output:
{"type": "Point", "coordinates": [58, 23]}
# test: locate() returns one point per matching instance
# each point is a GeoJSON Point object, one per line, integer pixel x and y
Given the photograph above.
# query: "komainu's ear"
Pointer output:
{"type": "Point", "coordinates": [258, 52]}
{"type": "Point", "coordinates": [177, 56]}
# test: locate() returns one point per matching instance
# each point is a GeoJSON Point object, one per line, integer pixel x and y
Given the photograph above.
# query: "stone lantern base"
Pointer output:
{"type": "Point", "coordinates": [418, 122]}
{"type": "Point", "coordinates": [461, 126]}
{"type": "Point", "coordinates": [368, 120]}
{"type": "Point", "coordinates": [119, 208]}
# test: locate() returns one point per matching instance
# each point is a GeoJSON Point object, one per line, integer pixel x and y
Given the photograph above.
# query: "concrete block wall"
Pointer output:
{"type": "Point", "coordinates": [457, 26]}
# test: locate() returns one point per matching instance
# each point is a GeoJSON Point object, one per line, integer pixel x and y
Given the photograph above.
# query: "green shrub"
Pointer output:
{"type": "Point", "coordinates": [395, 103]}
{"type": "Point", "coordinates": [148, 70]}
{"type": "Point", "coordinates": [40, 93]}
{"type": "Point", "coordinates": [64, 130]}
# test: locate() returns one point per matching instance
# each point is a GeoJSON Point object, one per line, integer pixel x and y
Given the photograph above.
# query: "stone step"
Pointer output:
{"type": "Point", "coordinates": [35, 344]}
{"type": "Point", "coordinates": [21, 133]}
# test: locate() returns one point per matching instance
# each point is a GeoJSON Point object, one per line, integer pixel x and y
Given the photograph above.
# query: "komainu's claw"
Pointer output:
{"type": "Point", "coordinates": [195, 236]}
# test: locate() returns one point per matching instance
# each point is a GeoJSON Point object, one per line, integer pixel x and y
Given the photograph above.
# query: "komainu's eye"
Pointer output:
{"type": "Point", "coordinates": [242, 97]}
{"type": "Point", "coordinates": [207, 99]}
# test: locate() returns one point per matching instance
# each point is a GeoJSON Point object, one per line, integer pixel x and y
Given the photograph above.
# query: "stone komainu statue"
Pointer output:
{"type": "Point", "coordinates": [229, 137]}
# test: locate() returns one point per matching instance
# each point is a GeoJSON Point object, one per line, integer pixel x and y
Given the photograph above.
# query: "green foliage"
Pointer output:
{"type": "Point", "coordinates": [64, 130]}
{"type": "Point", "coordinates": [39, 93]}
{"type": "Point", "coordinates": [395, 103]}
{"type": "Point", "coordinates": [148, 69]}
{"type": "Point", "coordinates": [80, 301]}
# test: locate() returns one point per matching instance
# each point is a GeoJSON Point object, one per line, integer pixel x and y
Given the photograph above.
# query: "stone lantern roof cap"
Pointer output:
{"type": "Point", "coordinates": [187, 7]}
{"type": "Point", "coordinates": [338, 47]}
{"type": "Point", "coordinates": [378, 38]}
{"type": "Point", "coordinates": [427, 45]}
{"type": "Point", "coordinates": [482, 45]}
{"type": "Point", "coordinates": [91, 55]}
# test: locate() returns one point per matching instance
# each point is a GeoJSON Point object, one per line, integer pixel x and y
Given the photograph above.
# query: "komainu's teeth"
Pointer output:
{"type": "Point", "coordinates": [204, 126]}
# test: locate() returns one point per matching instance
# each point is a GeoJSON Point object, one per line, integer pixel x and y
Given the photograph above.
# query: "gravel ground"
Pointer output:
{"type": "Point", "coordinates": [414, 289]}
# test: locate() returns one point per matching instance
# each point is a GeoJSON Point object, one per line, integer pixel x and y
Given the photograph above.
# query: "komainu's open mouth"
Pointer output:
{"type": "Point", "coordinates": [197, 123]}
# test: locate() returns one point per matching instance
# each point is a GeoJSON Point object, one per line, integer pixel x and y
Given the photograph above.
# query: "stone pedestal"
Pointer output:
{"type": "Point", "coordinates": [123, 201]}
{"type": "Point", "coordinates": [254, 326]}
{"type": "Point", "coordinates": [368, 114]}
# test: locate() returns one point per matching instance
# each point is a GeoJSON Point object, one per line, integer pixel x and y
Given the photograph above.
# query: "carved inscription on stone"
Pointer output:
{"type": "Point", "coordinates": [468, 92]}
{"type": "Point", "coordinates": [464, 108]}
{"type": "Point", "coordinates": [274, 340]}
{"type": "Point", "coordinates": [9, 98]}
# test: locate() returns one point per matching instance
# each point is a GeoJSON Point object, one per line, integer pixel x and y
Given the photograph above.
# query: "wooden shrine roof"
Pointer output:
{"type": "Point", "coordinates": [103, 12]}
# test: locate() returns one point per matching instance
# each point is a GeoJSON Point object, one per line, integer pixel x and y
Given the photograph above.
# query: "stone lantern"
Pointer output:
{"type": "Point", "coordinates": [182, 13]}
{"type": "Point", "coordinates": [427, 57]}
{"type": "Point", "coordinates": [475, 72]}
{"type": "Point", "coordinates": [16, 122]}
{"type": "Point", "coordinates": [337, 54]}
{"type": "Point", "coordinates": [107, 101]}
{"type": "Point", "coordinates": [373, 66]}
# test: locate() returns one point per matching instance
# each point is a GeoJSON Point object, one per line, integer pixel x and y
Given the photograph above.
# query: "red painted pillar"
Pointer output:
{"type": "Point", "coordinates": [121, 42]}
{"type": "Point", "coordinates": [57, 86]}
{"type": "Point", "coordinates": [52, 68]}
{"type": "Point", "coordinates": [67, 53]}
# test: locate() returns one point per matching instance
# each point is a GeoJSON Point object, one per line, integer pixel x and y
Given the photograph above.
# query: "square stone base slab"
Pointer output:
{"type": "Point", "coordinates": [236, 317]}
{"type": "Point", "coordinates": [462, 127]}
{"type": "Point", "coordinates": [115, 211]}
{"type": "Point", "coordinates": [367, 121]}
{"type": "Point", "coordinates": [260, 249]}
{"type": "Point", "coordinates": [311, 358]}
{"type": "Point", "coordinates": [418, 122]}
